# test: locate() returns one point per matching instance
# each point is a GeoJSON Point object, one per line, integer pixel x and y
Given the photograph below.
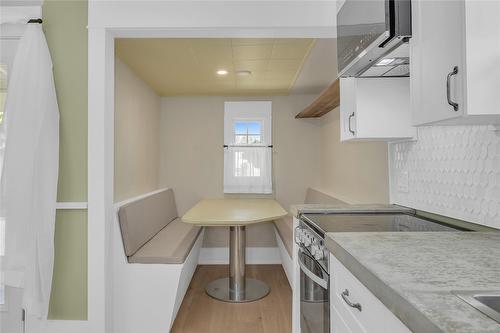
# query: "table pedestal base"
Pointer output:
{"type": "Point", "coordinates": [237, 288]}
{"type": "Point", "coordinates": [254, 290]}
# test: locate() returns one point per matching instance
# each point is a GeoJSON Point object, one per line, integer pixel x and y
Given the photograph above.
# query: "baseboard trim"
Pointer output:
{"type": "Point", "coordinates": [254, 256]}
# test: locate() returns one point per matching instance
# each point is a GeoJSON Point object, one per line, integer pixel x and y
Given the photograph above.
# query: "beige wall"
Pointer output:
{"type": "Point", "coordinates": [191, 158]}
{"type": "Point", "coordinates": [137, 135]}
{"type": "Point", "coordinates": [356, 172]}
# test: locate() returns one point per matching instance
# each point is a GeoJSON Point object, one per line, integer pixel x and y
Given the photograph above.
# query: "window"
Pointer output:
{"type": "Point", "coordinates": [248, 132]}
{"type": "Point", "coordinates": [247, 141]}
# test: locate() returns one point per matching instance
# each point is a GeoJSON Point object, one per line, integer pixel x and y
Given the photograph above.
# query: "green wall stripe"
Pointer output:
{"type": "Point", "coordinates": [65, 26]}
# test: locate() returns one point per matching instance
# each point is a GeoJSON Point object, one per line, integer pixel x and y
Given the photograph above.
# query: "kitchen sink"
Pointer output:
{"type": "Point", "coordinates": [488, 302]}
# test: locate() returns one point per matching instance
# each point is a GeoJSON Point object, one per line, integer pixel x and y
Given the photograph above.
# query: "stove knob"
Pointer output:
{"type": "Point", "coordinates": [298, 235]}
{"type": "Point", "coordinates": [302, 236]}
{"type": "Point", "coordinates": [317, 252]}
{"type": "Point", "coordinates": [307, 238]}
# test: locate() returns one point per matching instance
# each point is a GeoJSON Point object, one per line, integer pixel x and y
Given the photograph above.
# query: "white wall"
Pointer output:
{"type": "Point", "coordinates": [302, 17]}
{"type": "Point", "coordinates": [319, 69]}
{"type": "Point", "coordinates": [355, 172]}
{"type": "Point", "coordinates": [10, 313]}
{"type": "Point", "coordinates": [137, 135]}
{"type": "Point", "coordinates": [192, 155]}
{"type": "Point", "coordinates": [452, 171]}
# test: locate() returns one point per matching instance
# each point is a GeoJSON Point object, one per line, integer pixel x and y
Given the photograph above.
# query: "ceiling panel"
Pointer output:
{"type": "Point", "coordinates": [187, 67]}
{"type": "Point", "coordinates": [252, 52]}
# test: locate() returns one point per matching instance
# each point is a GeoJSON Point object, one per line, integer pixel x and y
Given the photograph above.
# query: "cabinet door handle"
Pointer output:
{"type": "Point", "coordinates": [350, 117]}
{"type": "Point", "coordinates": [448, 93]}
{"type": "Point", "coordinates": [344, 295]}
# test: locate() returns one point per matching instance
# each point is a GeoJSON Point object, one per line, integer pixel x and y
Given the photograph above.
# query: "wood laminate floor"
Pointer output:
{"type": "Point", "coordinates": [199, 313]}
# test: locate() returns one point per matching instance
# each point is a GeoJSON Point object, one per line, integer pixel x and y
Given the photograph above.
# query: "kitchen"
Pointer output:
{"type": "Point", "coordinates": [363, 139]}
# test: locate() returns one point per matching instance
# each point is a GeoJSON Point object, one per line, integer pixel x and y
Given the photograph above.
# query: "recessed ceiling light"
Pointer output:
{"type": "Point", "coordinates": [244, 73]}
{"type": "Point", "coordinates": [222, 72]}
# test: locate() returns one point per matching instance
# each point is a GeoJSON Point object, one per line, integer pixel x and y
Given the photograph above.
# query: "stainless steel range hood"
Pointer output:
{"type": "Point", "coordinates": [372, 38]}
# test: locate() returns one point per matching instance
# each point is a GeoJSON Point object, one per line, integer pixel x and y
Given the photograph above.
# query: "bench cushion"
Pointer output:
{"type": "Point", "coordinates": [142, 219]}
{"type": "Point", "coordinates": [284, 226]}
{"type": "Point", "coordinates": [170, 246]}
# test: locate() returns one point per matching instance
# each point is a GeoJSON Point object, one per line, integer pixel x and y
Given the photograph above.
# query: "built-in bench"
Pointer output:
{"type": "Point", "coordinates": [284, 229]}
{"type": "Point", "coordinates": [154, 266]}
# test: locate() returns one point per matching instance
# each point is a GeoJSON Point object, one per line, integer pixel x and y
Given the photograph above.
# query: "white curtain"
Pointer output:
{"type": "Point", "coordinates": [28, 186]}
{"type": "Point", "coordinates": [248, 170]}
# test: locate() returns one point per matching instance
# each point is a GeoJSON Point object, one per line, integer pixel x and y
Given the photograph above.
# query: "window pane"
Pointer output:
{"type": "Point", "coordinates": [241, 139]}
{"type": "Point", "coordinates": [254, 139]}
{"type": "Point", "coordinates": [247, 127]}
{"type": "Point", "coordinates": [254, 127]}
{"type": "Point", "coordinates": [248, 132]}
{"type": "Point", "coordinates": [240, 127]}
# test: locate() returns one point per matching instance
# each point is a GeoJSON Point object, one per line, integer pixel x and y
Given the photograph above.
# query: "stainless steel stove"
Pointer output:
{"type": "Point", "coordinates": [313, 254]}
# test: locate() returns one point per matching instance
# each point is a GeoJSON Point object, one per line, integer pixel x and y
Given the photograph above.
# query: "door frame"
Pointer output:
{"type": "Point", "coordinates": [161, 19]}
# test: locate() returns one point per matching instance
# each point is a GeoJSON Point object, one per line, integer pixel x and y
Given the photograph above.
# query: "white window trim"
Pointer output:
{"type": "Point", "coordinates": [248, 111]}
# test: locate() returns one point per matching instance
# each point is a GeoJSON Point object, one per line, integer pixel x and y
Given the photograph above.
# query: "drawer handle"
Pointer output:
{"type": "Point", "coordinates": [344, 295]}
{"type": "Point", "coordinates": [349, 120]}
{"type": "Point", "coordinates": [448, 93]}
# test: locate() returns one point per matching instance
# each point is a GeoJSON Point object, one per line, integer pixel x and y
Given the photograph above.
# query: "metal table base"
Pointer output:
{"type": "Point", "coordinates": [237, 288]}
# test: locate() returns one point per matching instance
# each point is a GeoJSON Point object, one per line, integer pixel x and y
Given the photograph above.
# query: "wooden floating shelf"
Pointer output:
{"type": "Point", "coordinates": [328, 100]}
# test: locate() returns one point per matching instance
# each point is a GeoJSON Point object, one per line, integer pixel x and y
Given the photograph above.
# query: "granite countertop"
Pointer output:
{"type": "Point", "coordinates": [413, 274]}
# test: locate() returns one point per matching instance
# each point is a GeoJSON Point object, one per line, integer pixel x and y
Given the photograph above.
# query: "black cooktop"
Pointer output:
{"type": "Point", "coordinates": [374, 222]}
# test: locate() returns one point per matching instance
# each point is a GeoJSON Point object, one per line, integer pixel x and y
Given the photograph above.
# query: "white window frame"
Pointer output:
{"type": "Point", "coordinates": [243, 111]}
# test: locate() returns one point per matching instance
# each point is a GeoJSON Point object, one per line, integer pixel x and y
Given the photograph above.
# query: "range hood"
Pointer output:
{"type": "Point", "coordinates": [372, 38]}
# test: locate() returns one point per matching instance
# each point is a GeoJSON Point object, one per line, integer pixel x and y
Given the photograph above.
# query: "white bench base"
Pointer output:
{"type": "Point", "coordinates": [147, 297]}
{"type": "Point", "coordinates": [286, 260]}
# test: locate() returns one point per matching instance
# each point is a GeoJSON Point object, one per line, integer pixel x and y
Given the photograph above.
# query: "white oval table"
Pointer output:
{"type": "Point", "coordinates": [237, 214]}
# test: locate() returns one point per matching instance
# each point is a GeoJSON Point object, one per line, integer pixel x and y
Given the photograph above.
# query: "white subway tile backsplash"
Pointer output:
{"type": "Point", "coordinates": [451, 170]}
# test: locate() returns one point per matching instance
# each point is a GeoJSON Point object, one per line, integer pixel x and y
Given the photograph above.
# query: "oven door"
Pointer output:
{"type": "Point", "coordinates": [314, 295]}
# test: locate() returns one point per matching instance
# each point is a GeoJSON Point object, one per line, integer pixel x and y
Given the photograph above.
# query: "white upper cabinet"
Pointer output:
{"type": "Point", "coordinates": [455, 52]}
{"type": "Point", "coordinates": [375, 109]}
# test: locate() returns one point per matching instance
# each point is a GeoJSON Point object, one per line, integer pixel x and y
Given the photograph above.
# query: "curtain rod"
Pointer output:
{"type": "Point", "coordinates": [36, 20]}
{"type": "Point", "coordinates": [247, 146]}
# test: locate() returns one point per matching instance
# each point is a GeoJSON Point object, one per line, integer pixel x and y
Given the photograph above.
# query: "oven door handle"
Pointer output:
{"type": "Point", "coordinates": [320, 281]}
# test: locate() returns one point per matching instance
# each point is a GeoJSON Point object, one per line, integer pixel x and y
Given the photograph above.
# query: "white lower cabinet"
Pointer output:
{"type": "Point", "coordinates": [354, 309]}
